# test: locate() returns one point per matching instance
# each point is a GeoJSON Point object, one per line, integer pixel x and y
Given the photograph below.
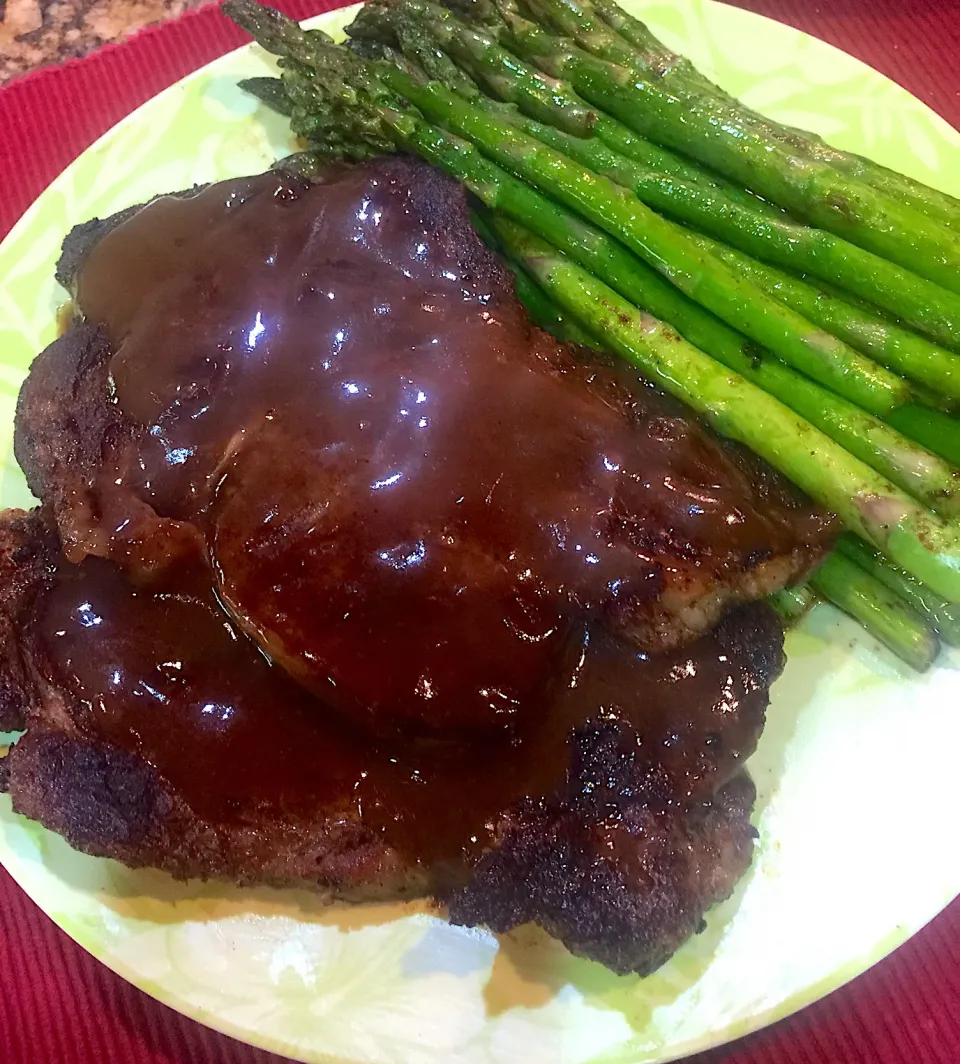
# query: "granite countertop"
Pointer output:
{"type": "Point", "coordinates": [34, 33]}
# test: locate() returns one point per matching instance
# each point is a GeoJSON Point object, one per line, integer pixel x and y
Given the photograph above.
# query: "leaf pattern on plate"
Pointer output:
{"type": "Point", "coordinates": [395, 984]}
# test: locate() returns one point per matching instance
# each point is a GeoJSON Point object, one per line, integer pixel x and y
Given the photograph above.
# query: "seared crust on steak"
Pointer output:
{"type": "Point", "coordinates": [110, 803]}
{"type": "Point", "coordinates": [63, 423]}
{"type": "Point", "coordinates": [632, 907]}
{"type": "Point", "coordinates": [614, 864]}
{"type": "Point", "coordinates": [25, 550]}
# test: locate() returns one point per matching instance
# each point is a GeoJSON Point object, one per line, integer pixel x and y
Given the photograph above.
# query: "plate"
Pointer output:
{"type": "Point", "coordinates": [855, 770]}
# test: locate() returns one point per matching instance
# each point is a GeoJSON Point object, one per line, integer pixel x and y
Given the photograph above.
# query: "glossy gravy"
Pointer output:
{"type": "Point", "coordinates": [408, 497]}
{"type": "Point", "coordinates": [404, 517]}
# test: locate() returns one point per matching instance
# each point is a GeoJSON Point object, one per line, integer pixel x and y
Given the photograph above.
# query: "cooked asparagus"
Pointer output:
{"type": "Point", "coordinates": [883, 613]}
{"type": "Point", "coordinates": [714, 134]}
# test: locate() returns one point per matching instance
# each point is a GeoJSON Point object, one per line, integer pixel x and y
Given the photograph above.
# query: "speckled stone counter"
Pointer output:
{"type": "Point", "coordinates": [34, 33]}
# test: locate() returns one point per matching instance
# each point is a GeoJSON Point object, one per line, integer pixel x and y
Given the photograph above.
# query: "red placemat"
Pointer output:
{"type": "Point", "coordinates": [58, 1005]}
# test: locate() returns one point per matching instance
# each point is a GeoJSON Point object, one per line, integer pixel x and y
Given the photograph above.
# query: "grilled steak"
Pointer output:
{"type": "Point", "coordinates": [332, 394]}
{"type": "Point", "coordinates": [346, 575]}
{"type": "Point", "coordinates": [25, 550]}
{"type": "Point", "coordinates": [158, 736]}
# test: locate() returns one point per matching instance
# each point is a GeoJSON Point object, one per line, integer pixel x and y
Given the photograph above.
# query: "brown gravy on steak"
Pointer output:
{"type": "Point", "coordinates": [409, 498]}
{"type": "Point", "coordinates": [164, 675]}
{"type": "Point", "coordinates": [420, 514]}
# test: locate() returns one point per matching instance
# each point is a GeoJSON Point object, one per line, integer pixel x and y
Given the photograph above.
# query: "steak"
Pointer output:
{"type": "Point", "coordinates": [25, 551]}
{"type": "Point", "coordinates": [330, 395]}
{"type": "Point", "coordinates": [157, 737]}
{"type": "Point", "coordinates": [345, 575]}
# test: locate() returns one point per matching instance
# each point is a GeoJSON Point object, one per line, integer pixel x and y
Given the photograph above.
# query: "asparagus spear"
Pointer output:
{"type": "Point", "coordinates": [939, 615]}
{"type": "Point", "coordinates": [388, 22]}
{"type": "Point", "coordinates": [931, 202]}
{"type": "Point", "coordinates": [409, 24]}
{"type": "Point", "coordinates": [666, 247]}
{"type": "Point", "coordinates": [699, 128]}
{"type": "Point", "coordinates": [792, 602]}
{"type": "Point", "coordinates": [541, 308]}
{"type": "Point", "coordinates": [878, 609]}
{"type": "Point", "coordinates": [734, 216]}
{"type": "Point", "coordinates": [890, 344]}
{"type": "Point", "coordinates": [578, 20]}
{"type": "Point", "coordinates": [585, 20]}
{"type": "Point", "coordinates": [544, 312]}
{"type": "Point", "coordinates": [800, 247]}
{"type": "Point", "coordinates": [855, 322]}
{"type": "Point", "coordinates": [869, 504]}
{"type": "Point", "coordinates": [272, 92]}
{"type": "Point", "coordinates": [588, 23]}
{"type": "Point", "coordinates": [937, 431]}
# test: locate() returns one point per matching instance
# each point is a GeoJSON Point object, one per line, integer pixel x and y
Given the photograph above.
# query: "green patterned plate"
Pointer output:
{"type": "Point", "coordinates": [855, 771]}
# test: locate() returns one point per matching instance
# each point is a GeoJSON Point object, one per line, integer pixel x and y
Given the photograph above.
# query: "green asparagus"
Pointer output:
{"type": "Point", "coordinates": [800, 247]}
{"type": "Point", "coordinates": [890, 344]}
{"type": "Point", "coordinates": [941, 616]}
{"type": "Point", "coordinates": [271, 91]}
{"type": "Point", "coordinates": [541, 308]}
{"type": "Point", "coordinates": [411, 24]}
{"type": "Point", "coordinates": [937, 431]}
{"type": "Point", "coordinates": [544, 312]}
{"type": "Point", "coordinates": [688, 124]}
{"type": "Point", "coordinates": [883, 613]}
{"type": "Point", "coordinates": [664, 246]}
{"type": "Point", "coordinates": [732, 215]}
{"type": "Point", "coordinates": [792, 603]}
{"type": "Point", "coordinates": [935, 204]}
{"type": "Point", "coordinates": [588, 23]}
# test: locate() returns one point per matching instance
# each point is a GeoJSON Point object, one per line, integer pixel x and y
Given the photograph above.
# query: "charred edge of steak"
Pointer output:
{"type": "Point", "coordinates": [63, 416]}
{"type": "Point", "coordinates": [617, 866]}
{"type": "Point", "coordinates": [26, 552]}
{"type": "Point", "coordinates": [92, 794]}
{"type": "Point", "coordinates": [754, 631]}
{"type": "Point", "coordinates": [110, 803]}
{"type": "Point", "coordinates": [623, 880]}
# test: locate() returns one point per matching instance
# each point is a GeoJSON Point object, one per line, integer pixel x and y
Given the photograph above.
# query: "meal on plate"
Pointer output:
{"type": "Point", "coordinates": [389, 540]}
